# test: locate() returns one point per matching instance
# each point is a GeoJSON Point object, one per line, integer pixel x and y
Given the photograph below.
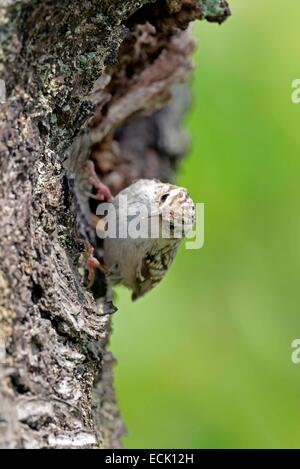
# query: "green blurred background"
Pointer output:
{"type": "Point", "coordinates": [205, 359]}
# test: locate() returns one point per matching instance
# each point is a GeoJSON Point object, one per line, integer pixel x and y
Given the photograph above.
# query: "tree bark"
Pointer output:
{"type": "Point", "coordinates": [79, 80]}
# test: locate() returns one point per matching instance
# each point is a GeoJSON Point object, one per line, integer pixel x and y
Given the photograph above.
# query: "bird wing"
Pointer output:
{"type": "Point", "coordinates": [153, 267]}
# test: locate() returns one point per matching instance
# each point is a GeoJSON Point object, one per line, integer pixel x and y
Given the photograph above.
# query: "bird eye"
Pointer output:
{"type": "Point", "coordinates": [164, 197]}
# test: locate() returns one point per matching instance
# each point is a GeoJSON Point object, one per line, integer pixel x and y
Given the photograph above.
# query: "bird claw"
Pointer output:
{"type": "Point", "coordinates": [103, 192]}
{"type": "Point", "coordinates": [92, 263]}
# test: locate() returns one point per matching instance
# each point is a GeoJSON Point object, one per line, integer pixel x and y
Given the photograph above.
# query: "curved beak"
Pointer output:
{"type": "Point", "coordinates": [156, 213]}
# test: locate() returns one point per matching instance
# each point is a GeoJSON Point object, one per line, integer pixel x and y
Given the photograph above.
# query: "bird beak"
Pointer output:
{"type": "Point", "coordinates": [155, 213]}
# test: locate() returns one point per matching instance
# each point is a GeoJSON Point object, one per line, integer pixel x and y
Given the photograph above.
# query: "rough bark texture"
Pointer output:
{"type": "Point", "coordinates": [83, 80]}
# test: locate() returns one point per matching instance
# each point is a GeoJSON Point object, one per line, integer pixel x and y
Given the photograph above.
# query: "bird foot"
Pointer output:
{"type": "Point", "coordinates": [92, 263]}
{"type": "Point", "coordinates": [103, 192]}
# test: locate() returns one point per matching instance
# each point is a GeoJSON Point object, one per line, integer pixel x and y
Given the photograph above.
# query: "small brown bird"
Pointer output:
{"type": "Point", "coordinates": [148, 233]}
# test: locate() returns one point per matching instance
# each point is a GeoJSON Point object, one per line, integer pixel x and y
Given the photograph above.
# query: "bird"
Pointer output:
{"type": "Point", "coordinates": [145, 224]}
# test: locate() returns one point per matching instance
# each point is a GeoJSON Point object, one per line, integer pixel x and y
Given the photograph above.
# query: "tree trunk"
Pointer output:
{"type": "Point", "coordinates": [79, 80]}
